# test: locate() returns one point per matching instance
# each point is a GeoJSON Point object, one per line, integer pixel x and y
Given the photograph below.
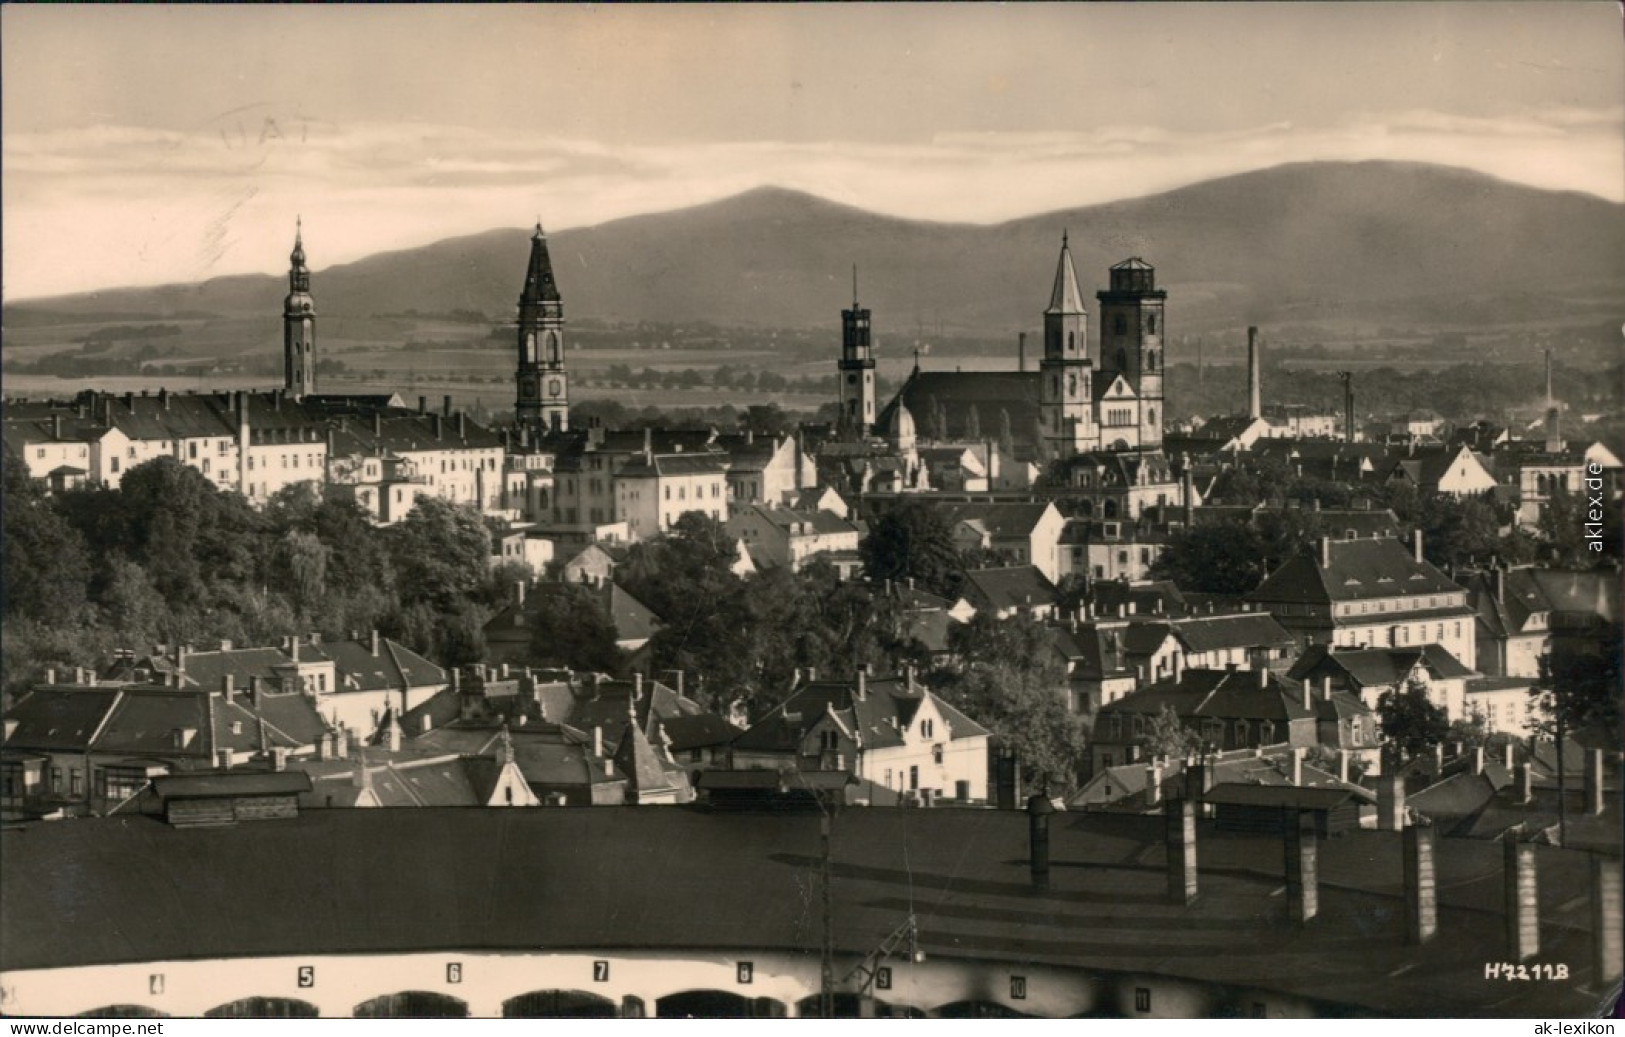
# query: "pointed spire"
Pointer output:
{"type": "Point", "coordinates": [297, 258]}
{"type": "Point", "coordinates": [854, 286]}
{"type": "Point", "coordinates": [1065, 297]}
{"type": "Point", "coordinates": [539, 286]}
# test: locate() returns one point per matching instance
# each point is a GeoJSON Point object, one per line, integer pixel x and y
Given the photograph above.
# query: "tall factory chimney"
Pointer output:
{"type": "Point", "coordinates": [1348, 405]}
{"type": "Point", "coordinates": [1255, 391]}
{"type": "Point", "coordinates": [1554, 429]}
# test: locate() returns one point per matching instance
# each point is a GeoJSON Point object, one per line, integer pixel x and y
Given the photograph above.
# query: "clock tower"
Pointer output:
{"type": "Point", "coordinates": [298, 325]}
{"type": "Point", "coordinates": [856, 367]}
{"type": "Point", "coordinates": [543, 398]}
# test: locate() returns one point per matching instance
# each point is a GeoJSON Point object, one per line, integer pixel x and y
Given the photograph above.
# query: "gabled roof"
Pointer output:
{"type": "Point", "coordinates": [1243, 630]}
{"type": "Point", "coordinates": [1359, 569]}
{"type": "Point", "coordinates": [1217, 694]}
{"type": "Point", "coordinates": [1012, 392]}
{"type": "Point", "coordinates": [1008, 587]}
{"type": "Point", "coordinates": [671, 466]}
{"type": "Point", "coordinates": [1007, 519]}
{"type": "Point", "coordinates": [1379, 667]}
{"type": "Point", "coordinates": [875, 718]}
{"type": "Point", "coordinates": [59, 718]}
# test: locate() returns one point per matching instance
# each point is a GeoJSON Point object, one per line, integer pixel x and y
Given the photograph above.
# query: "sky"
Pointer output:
{"type": "Point", "coordinates": [155, 144]}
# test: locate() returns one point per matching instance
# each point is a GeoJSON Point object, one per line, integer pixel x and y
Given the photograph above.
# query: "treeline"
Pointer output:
{"type": "Point", "coordinates": [170, 558]}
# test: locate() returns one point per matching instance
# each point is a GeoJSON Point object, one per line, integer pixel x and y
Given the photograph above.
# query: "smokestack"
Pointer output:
{"type": "Point", "coordinates": [1416, 544]}
{"type": "Point", "coordinates": [1607, 935]}
{"type": "Point", "coordinates": [1255, 389]}
{"type": "Point", "coordinates": [1179, 816]}
{"type": "Point", "coordinates": [1039, 809]}
{"type": "Point", "coordinates": [1421, 892]}
{"type": "Point", "coordinates": [1522, 898]}
{"type": "Point", "coordinates": [1187, 493]}
{"type": "Point", "coordinates": [1302, 867]}
{"type": "Point", "coordinates": [1593, 781]}
{"type": "Point", "coordinates": [1348, 406]}
{"type": "Point", "coordinates": [1391, 801]}
{"type": "Point", "coordinates": [445, 405]}
{"type": "Point", "coordinates": [1021, 352]}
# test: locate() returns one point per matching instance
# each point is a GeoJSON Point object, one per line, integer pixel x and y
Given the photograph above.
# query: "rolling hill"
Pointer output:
{"type": "Point", "coordinates": [1304, 242]}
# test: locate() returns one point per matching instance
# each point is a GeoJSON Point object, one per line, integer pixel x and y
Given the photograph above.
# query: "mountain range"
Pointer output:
{"type": "Point", "coordinates": [1302, 242]}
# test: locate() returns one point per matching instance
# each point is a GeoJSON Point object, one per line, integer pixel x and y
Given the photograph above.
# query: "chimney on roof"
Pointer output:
{"type": "Point", "coordinates": [1438, 758]}
{"type": "Point", "coordinates": [597, 740]}
{"type": "Point", "coordinates": [392, 735]}
{"type": "Point", "coordinates": [1297, 765]}
{"type": "Point", "coordinates": [1263, 678]}
{"type": "Point", "coordinates": [1593, 782]}
{"type": "Point", "coordinates": [293, 647]}
{"type": "Point", "coordinates": [1308, 698]}
{"type": "Point", "coordinates": [1153, 782]}
{"type": "Point", "coordinates": [1500, 578]}
{"type": "Point", "coordinates": [648, 446]}
{"type": "Point", "coordinates": [1478, 759]}
{"type": "Point", "coordinates": [1506, 754]}
{"type": "Point", "coordinates": [445, 406]}
{"type": "Point", "coordinates": [1343, 765]}
{"type": "Point", "coordinates": [341, 742]}
{"type": "Point", "coordinates": [637, 686]}
{"type": "Point", "coordinates": [1416, 544]}
{"type": "Point", "coordinates": [1021, 352]}
{"type": "Point", "coordinates": [435, 420]}
{"type": "Point", "coordinates": [254, 690]}
{"type": "Point", "coordinates": [1325, 552]}
{"type": "Point", "coordinates": [1255, 394]}
{"type": "Point", "coordinates": [1526, 782]}
{"type": "Point", "coordinates": [863, 684]}
{"type": "Point", "coordinates": [279, 759]}
{"type": "Point", "coordinates": [228, 686]}
{"type": "Point", "coordinates": [462, 425]}
{"type": "Point", "coordinates": [375, 644]}
{"type": "Point", "coordinates": [423, 405]}
{"type": "Point", "coordinates": [1391, 800]}
{"type": "Point", "coordinates": [426, 723]}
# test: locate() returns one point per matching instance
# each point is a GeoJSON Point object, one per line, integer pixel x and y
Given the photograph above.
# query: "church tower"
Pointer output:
{"type": "Point", "coordinates": [298, 324]}
{"type": "Point", "coordinates": [1131, 337]}
{"type": "Point", "coordinates": [856, 367]}
{"type": "Point", "coordinates": [1064, 405]}
{"type": "Point", "coordinates": [543, 385]}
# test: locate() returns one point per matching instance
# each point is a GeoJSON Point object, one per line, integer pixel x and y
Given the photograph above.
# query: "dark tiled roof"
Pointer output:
{"type": "Point", "coordinates": [231, 783]}
{"type": "Point", "coordinates": [1002, 520]}
{"type": "Point", "coordinates": [1008, 587]}
{"type": "Point", "coordinates": [49, 718]}
{"type": "Point", "coordinates": [1359, 569]}
{"type": "Point", "coordinates": [104, 911]}
{"type": "Point", "coordinates": [1244, 630]}
{"type": "Point", "coordinates": [1379, 667]}
{"type": "Point", "coordinates": [1014, 392]}
{"type": "Point", "coordinates": [1219, 694]}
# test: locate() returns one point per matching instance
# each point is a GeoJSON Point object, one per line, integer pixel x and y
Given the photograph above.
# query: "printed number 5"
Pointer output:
{"type": "Point", "coordinates": [307, 975]}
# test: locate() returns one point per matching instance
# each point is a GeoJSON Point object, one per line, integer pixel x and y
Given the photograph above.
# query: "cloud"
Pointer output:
{"type": "Point", "coordinates": [112, 205]}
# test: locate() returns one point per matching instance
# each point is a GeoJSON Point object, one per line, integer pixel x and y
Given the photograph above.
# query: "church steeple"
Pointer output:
{"type": "Point", "coordinates": [1065, 298]}
{"type": "Point", "coordinates": [298, 323]}
{"type": "Point", "coordinates": [542, 383]}
{"type": "Point", "coordinates": [1065, 391]}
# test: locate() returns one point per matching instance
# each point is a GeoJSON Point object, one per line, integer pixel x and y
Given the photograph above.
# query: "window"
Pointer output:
{"type": "Point", "coordinates": [914, 778]}
{"type": "Point", "coordinates": [1151, 325]}
{"type": "Point", "coordinates": [74, 776]}
{"type": "Point", "coordinates": [1119, 327]}
{"type": "Point", "coordinates": [114, 461]}
{"type": "Point", "coordinates": [1142, 999]}
{"type": "Point", "coordinates": [936, 755]}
